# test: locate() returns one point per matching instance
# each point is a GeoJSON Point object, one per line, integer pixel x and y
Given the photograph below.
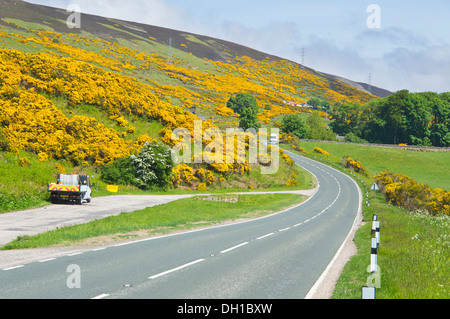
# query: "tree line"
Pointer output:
{"type": "Point", "coordinates": [401, 118]}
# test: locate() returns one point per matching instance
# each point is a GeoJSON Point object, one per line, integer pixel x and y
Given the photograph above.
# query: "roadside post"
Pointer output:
{"type": "Point", "coordinates": [375, 189]}
{"type": "Point", "coordinates": [374, 279]}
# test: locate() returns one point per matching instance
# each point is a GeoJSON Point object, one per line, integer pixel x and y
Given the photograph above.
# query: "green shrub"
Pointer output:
{"type": "Point", "coordinates": [120, 172]}
{"type": "Point", "coordinates": [153, 166]}
{"type": "Point", "coordinates": [293, 123]}
{"type": "Point", "coordinates": [150, 168]}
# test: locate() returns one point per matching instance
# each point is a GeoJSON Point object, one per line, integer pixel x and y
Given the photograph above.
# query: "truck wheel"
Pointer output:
{"type": "Point", "coordinates": [80, 201]}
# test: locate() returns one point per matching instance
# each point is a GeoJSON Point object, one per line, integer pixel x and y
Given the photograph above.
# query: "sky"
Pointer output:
{"type": "Point", "coordinates": [399, 44]}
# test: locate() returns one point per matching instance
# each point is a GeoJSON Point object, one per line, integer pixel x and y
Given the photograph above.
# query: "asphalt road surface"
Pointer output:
{"type": "Point", "coordinates": [277, 256]}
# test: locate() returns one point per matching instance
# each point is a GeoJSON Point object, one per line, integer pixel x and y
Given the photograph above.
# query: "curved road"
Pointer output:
{"type": "Point", "coordinates": [277, 256]}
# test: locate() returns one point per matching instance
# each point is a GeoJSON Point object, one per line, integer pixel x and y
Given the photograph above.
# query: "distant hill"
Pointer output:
{"type": "Point", "coordinates": [106, 28]}
{"type": "Point", "coordinates": [118, 84]}
{"type": "Point", "coordinates": [377, 91]}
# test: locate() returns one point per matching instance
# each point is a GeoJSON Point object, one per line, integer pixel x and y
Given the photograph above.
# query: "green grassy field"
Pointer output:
{"type": "Point", "coordinates": [178, 215]}
{"type": "Point", "coordinates": [432, 168]}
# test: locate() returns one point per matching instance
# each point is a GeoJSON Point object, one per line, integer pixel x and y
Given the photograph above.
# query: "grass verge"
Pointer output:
{"type": "Point", "coordinates": [177, 215]}
{"type": "Point", "coordinates": [414, 252]}
{"type": "Point", "coordinates": [413, 256]}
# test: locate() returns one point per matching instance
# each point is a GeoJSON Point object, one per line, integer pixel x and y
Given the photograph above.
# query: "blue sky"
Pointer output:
{"type": "Point", "coordinates": [410, 50]}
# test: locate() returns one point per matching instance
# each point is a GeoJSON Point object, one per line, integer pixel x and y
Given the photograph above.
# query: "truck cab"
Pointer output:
{"type": "Point", "coordinates": [273, 139]}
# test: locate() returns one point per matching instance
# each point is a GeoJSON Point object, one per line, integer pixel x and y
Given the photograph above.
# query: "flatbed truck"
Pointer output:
{"type": "Point", "coordinates": [72, 188]}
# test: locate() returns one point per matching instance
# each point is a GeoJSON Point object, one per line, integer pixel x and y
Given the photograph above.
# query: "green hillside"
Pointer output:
{"type": "Point", "coordinates": [77, 99]}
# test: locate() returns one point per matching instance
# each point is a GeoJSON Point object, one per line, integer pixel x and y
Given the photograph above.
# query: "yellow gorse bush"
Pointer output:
{"type": "Point", "coordinates": [354, 165]}
{"type": "Point", "coordinates": [318, 150]}
{"type": "Point", "coordinates": [403, 191]}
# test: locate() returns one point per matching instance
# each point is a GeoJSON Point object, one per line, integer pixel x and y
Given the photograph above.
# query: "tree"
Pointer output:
{"type": "Point", "coordinates": [403, 117]}
{"type": "Point", "coordinates": [392, 110]}
{"type": "Point", "coordinates": [241, 101]}
{"type": "Point", "coordinates": [345, 118]}
{"type": "Point", "coordinates": [293, 123]}
{"type": "Point", "coordinates": [417, 115]}
{"type": "Point", "coordinates": [317, 129]}
{"type": "Point", "coordinates": [246, 106]}
{"type": "Point", "coordinates": [317, 103]}
{"type": "Point", "coordinates": [440, 122]}
{"type": "Point", "coordinates": [248, 119]}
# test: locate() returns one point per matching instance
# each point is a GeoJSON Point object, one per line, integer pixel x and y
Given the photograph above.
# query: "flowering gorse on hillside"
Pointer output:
{"type": "Point", "coordinates": [118, 81]}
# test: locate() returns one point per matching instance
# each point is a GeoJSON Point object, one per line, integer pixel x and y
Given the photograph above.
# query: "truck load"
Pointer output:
{"type": "Point", "coordinates": [70, 188]}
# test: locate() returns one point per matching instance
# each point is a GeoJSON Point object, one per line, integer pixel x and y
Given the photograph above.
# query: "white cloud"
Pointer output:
{"type": "Point", "coordinates": [153, 12]}
{"type": "Point", "coordinates": [273, 38]}
{"type": "Point", "coordinates": [420, 70]}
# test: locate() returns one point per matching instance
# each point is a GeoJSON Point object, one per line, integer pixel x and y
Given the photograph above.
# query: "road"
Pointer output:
{"type": "Point", "coordinates": [278, 256]}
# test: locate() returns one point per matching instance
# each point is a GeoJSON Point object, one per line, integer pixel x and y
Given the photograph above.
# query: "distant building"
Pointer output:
{"type": "Point", "coordinates": [297, 104]}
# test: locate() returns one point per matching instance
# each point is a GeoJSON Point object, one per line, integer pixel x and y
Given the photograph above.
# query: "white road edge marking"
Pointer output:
{"type": "Point", "coordinates": [176, 269]}
{"type": "Point", "coordinates": [14, 267]}
{"type": "Point", "coordinates": [74, 254]}
{"type": "Point", "coordinates": [44, 260]}
{"type": "Point", "coordinates": [101, 296]}
{"type": "Point", "coordinates": [234, 247]}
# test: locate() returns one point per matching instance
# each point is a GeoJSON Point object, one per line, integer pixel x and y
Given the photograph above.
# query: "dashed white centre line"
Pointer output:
{"type": "Point", "coordinates": [175, 269]}
{"type": "Point", "coordinates": [264, 236]}
{"type": "Point", "coordinates": [234, 247]}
